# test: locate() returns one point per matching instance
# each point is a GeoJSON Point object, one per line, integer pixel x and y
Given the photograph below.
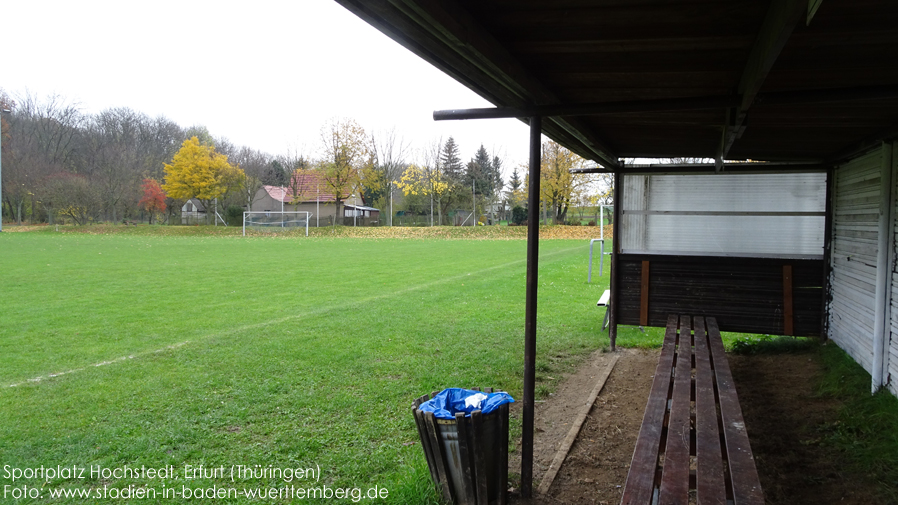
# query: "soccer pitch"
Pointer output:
{"type": "Point", "coordinates": [126, 352]}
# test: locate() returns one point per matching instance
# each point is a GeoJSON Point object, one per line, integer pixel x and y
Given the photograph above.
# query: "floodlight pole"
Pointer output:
{"type": "Point", "coordinates": [2, 111]}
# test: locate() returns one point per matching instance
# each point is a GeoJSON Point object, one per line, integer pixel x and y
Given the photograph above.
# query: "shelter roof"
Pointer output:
{"type": "Point", "coordinates": [359, 207]}
{"type": "Point", "coordinates": [780, 80]}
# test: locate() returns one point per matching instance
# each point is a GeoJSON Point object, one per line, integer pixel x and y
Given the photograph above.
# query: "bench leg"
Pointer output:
{"type": "Point", "coordinates": [605, 321]}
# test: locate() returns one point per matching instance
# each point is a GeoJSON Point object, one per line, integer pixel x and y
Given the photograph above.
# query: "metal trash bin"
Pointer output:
{"type": "Point", "coordinates": [467, 456]}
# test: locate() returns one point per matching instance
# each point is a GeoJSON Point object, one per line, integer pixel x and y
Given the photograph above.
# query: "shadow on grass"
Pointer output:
{"type": "Point", "coordinates": [866, 432]}
{"type": "Point", "coordinates": [867, 429]}
{"type": "Point", "coordinates": [748, 345]}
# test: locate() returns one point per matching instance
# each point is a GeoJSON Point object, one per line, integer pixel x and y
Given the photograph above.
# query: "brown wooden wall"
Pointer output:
{"type": "Point", "coordinates": [746, 295]}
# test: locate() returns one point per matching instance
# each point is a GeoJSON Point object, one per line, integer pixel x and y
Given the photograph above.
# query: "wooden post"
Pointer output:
{"type": "Point", "coordinates": [466, 450]}
{"type": "Point", "coordinates": [644, 296]}
{"type": "Point", "coordinates": [434, 434]}
{"type": "Point", "coordinates": [787, 300]}
{"type": "Point", "coordinates": [425, 439]}
{"type": "Point", "coordinates": [503, 455]}
{"type": "Point", "coordinates": [479, 458]}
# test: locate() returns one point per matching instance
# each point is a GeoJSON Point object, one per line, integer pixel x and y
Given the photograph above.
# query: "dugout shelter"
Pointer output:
{"type": "Point", "coordinates": [790, 226]}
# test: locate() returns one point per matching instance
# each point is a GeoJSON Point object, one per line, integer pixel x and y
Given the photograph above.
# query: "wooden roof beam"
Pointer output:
{"type": "Point", "coordinates": [793, 97]}
{"type": "Point", "coordinates": [696, 168]}
{"type": "Point", "coordinates": [781, 19]}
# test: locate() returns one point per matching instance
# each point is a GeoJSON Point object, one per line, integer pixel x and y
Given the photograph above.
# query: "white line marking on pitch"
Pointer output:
{"type": "Point", "coordinates": [282, 319]}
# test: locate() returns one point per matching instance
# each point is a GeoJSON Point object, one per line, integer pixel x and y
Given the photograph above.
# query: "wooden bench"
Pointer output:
{"type": "Point", "coordinates": [692, 452]}
{"type": "Point", "coordinates": [605, 301]}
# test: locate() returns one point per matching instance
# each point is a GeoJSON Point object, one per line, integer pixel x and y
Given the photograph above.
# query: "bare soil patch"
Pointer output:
{"type": "Point", "coordinates": [786, 423]}
{"type": "Point", "coordinates": [784, 417]}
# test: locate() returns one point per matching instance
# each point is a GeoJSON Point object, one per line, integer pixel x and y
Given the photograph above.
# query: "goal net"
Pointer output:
{"type": "Point", "coordinates": [276, 221]}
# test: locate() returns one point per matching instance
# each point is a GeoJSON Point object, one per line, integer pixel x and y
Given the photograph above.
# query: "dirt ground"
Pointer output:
{"type": "Point", "coordinates": [783, 417]}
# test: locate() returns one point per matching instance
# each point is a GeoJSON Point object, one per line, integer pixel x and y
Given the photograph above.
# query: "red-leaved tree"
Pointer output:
{"type": "Point", "coordinates": [153, 200]}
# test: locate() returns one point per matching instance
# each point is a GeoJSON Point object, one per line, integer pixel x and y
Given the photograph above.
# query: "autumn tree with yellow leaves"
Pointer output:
{"type": "Point", "coordinates": [197, 171]}
{"type": "Point", "coordinates": [558, 185]}
{"type": "Point", "coordinates": [346, 154]}
{"type": "Point", "coordinates": [426, 181]}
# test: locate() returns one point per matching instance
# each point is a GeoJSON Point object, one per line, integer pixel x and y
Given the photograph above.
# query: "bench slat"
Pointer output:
{"type": "Point", "coordinates": [675, 475]}
{"type": "Point", "coordinates": [744, 474]}
{"type": "Point", "coordinates": [640, 478]}
{"type": "Point", "coordinates": [710, 487]}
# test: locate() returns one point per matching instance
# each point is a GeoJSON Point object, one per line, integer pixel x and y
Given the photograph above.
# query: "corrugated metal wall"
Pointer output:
{"type": "Point", "coordinates": [856, 211]}
{"type": "Point", "coordinates": [893, 326]}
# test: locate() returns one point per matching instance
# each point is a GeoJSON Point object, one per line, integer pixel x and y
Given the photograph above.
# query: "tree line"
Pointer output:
{"type": "Point", "coordinates": [121, 164]}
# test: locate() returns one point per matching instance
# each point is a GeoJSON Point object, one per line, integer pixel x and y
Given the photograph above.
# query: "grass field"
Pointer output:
{"type": "Point", "coordinates": [133, 349]}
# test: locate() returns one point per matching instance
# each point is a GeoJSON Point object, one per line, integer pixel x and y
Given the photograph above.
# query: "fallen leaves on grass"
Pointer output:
{"type": "Point", "coordinates": [379, 232]}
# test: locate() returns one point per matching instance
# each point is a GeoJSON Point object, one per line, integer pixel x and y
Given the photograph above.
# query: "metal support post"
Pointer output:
{"type": "Point", "coordinates": [530, 312]}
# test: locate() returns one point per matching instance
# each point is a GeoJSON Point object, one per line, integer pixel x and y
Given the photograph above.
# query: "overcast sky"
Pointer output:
{"type": "Point", "coordinates": [266, 73]}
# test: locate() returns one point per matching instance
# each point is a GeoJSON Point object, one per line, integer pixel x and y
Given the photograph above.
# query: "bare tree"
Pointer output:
{"type": "Point", "coordinates": [254, 164]}
{"type": "Point", "coordinates": [388, 158]}
{"type": "Point", "coordinates": [42, 139]}
{"type": "Point", "coordinates": [73, 196]}
{"type": "Point", "coordinates": [112, 157]}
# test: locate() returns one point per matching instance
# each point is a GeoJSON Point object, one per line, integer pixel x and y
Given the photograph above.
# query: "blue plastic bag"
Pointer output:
{"type": "Point", "coordinates": [450, 401]}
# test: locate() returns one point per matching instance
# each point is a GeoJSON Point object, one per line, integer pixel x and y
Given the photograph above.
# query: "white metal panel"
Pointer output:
{"type": "Point", "coordinates": [763, 214]}
{"type": "Point", "coordinates": [739, 192]}
{"type": "Point", "coordinates": [632, 226]}
{"type": "Point", "coordinates": [856, 200]}
{"type": "Point", "coordinates": [791, 236]}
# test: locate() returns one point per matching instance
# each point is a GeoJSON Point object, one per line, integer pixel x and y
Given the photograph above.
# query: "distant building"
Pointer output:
{"type": "Point", "coordinates": [193, 212]}
{"type": "Point", "coordinates": [308, 192]}
{"type": "Point", "coordinates": [360, 215]}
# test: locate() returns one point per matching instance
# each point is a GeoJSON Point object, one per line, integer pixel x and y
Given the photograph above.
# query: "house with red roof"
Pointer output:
{"type": "Point", "coordinates": [309, 192]}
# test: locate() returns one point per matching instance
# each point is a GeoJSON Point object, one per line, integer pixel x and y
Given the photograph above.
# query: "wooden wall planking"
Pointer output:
{"type": "Point", "coordinates": [744, 294]}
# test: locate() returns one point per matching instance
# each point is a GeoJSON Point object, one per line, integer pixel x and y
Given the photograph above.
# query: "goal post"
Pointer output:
{"type": "Point", "coordinates": [276, 221]}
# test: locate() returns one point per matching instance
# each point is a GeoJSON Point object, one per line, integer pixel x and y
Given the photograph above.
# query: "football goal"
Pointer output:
{"type": "Point", "coordinates": [276, 221]}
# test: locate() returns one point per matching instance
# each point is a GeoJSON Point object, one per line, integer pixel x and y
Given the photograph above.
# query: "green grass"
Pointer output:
{"type": "Point", "coordinates": [137, 349]}
{"type": "Point", "coordinates": [867, 430]}
{"type": "Point", "coordinates": [749, 344]}
{"type": "Point", "coordinates": [866, 434]}
{"type": "Point", "coordinates": [650, 337]}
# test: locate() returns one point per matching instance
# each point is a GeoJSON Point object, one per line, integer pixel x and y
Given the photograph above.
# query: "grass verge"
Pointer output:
{"type": "Point", "coordinates": [867, 430]}
{"type": "Point", "coordinates": [866, 433]}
